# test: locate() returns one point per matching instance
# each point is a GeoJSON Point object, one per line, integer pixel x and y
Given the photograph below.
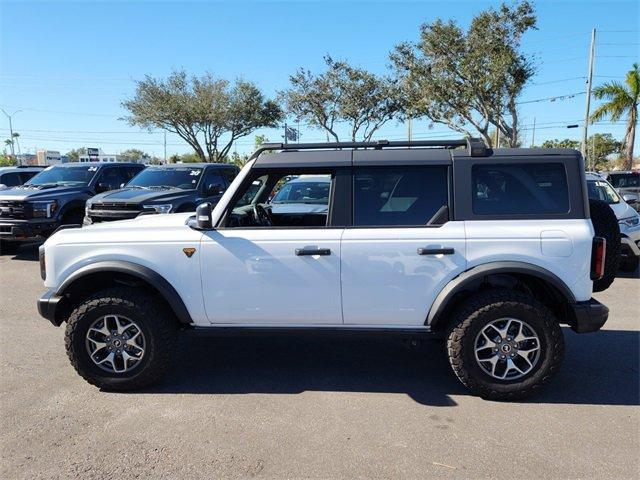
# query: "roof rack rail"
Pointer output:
{"type": "Point", "coordinates": [475, 146]}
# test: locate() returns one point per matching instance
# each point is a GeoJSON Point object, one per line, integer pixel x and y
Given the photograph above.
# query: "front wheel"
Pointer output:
{"type": "Point", "coordinates": [120, 340]}
{"type": "Point", "coordinates": [504, 345]}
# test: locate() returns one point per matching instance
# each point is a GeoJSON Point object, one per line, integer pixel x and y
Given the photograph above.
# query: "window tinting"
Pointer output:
{"type": "Point", "coordinates": [399, 195]}
{"type": "Point", "coordinates": [520, 189]}
{"type": "Point", "coordinates": [10, 179]}
{"type": "Point", "coordinates": [624, 180]}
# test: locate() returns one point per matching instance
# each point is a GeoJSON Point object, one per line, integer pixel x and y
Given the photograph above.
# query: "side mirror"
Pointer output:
{"type": "Point", "coordinates": [203, 216]}
{"type": "Point", "coordinates": [102, 187]}
{"type": "Point", "coordinates": [630, 198]}
{"type": "Point", "coordinates": [213, 189]}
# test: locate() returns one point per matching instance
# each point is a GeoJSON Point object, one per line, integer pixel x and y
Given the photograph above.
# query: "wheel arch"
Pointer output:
{"type": "Point", "coordinates": [103, 274]}
{"type": "Point", "coordinates": [540, 282]}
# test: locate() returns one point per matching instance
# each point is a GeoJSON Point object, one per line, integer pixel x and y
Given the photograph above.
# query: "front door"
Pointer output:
{"type": "Point", "coordinates": [275, 260]}
{"type": "Point", "coordinates": [402, 248]}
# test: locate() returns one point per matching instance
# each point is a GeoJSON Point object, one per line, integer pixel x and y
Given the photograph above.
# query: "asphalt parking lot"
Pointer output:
{"type": "Point", "coordinates": [301, 408]}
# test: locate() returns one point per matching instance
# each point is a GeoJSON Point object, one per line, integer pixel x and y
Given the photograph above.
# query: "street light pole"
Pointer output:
{"type": "Point", "coordinates": [585, 127]}
{"type": "Point", "coordinates": [13, 153]}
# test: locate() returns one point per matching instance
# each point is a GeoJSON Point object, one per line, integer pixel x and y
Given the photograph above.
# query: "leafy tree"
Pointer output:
{"type": "Point", "coordinates": [6, 160]}
{"type": "Point", "coordinates": [134, 155]}
{"type": "Point", "coordinates": [74, 155]}
{"type": "Point", "coordinates": [202, 110]}
{"type": "Point", "coordinates": [566, 143]}
{"type": "Point", "coordinates": [469, 80]}
{"type": "Point", "coordinates": [621, 99]}
{"type": "Point", "coordinates": [342, 93]}
{"type": "Point", "coordinates": [600, 148]}
{"type": "Point", "coordinates": [185, 158]}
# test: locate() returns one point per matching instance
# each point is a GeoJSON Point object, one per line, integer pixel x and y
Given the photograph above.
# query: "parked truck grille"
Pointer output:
{"type": "Point", "coordinates": [11, 209]}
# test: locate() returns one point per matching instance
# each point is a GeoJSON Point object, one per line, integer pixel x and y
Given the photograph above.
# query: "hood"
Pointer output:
{"type": "Point", "coordinates": [142, 195]}
{"type": "Point", "coordinates": [623, 210]}
{"type": "Point", "coordinates": [143, 222]}
{"type": "Point", "coordinates": [285, 208]}
{"type": "Point", "coordinates": [34, 193]}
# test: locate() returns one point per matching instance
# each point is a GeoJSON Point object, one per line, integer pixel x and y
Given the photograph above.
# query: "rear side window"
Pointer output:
{"type": "Point", "coordinates": [11, 179]}
{"type": "Point", "coordinates": [400, 196]}
{"type": "Point", "coordinates": [520, 189]}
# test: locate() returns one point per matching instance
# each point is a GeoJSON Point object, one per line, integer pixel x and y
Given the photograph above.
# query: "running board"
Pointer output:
{"type": "Point", "coordinates": [314, 331]}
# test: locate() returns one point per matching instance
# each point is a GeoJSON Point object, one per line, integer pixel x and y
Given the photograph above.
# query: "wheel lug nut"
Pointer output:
{"type": "Point", "coordinates": [502, 356]}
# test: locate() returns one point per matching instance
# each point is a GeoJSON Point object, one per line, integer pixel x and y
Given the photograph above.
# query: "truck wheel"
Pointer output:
{"type": "Point", "coordinates": [606, 225]}
{"type": "Point", "coordinates": [629, 264]}
{"type": "Point", "coordinates": [119, 339]}
{"type": "Point", "coordinates": [504, 345]}
{"type": "Point", "coordinates": [8, 247]}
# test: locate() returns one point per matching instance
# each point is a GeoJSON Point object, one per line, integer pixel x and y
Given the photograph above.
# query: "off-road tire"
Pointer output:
{"type": "Point", "coordinates": [606, 225]}
{"type": "Point", "coordinates": [159, 329]}
{"type": "Point", "coordinates": [629, 264]}
{"type": "Point", "coordinates": [8, 247]}
{"type": "Point", "coordinates": [480, 310]}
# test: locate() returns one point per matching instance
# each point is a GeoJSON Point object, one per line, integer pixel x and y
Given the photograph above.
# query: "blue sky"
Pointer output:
{"type": "Point", "coordinates": [68, 65]}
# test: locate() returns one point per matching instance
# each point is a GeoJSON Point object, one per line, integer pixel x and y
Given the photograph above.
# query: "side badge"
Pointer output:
{"type": "Point", "coordinates": [189, 251]}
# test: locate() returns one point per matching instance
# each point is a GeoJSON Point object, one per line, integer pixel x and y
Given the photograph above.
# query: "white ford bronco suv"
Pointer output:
{"type": "Point", "coordinates": [491, 250]}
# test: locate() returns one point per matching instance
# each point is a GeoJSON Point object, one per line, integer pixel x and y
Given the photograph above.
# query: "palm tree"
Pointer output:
{"type": "Point", "coordinates": [620, 99]}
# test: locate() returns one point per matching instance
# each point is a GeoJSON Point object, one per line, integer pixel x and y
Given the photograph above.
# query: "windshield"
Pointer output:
{"type": "Point", "coordinates": [184, 178]}
{"type": "Point", "coordinates": [601, 190]}
{"type": "Point", "coordinates": [303, 192]}
{"type": "Point", "coordinates": [80, 176]}
{"type": "Point", "coordinates": [624, 180]}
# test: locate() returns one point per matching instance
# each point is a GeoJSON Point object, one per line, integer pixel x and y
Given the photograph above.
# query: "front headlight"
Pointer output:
{"type": "Point", "coordinates": [44, 209]}
{"type": "Point", "coordinates": [631, 221]}
{"type": "Point", "coordinates": [87, 207]}
{"type": "Point", "coordinates": [161, 208]}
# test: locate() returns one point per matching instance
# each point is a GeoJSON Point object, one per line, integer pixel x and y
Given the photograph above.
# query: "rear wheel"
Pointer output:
{"type": "Point", "coordinates": [504, 345]}
{"type": "Point", "coordinates": [120, 340]}
{"type": "Point", "coordinates": [8, 247]}
{"type": "Point", "coordinates": [606, 225]}
{"type": "Point", "coordinates": [629, 264]}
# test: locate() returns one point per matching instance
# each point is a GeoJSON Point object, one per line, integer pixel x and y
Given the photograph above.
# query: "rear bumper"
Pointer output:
{"type": "Point", "coordinates": [48, 306]}
{"type": "Point", "coordinates": [589, 316]}
{"type": "Point", "coordinates": [25, 229]}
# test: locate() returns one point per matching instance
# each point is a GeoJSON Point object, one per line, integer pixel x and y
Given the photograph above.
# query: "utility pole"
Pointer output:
{"type": "Point", "coordinates": [285, 133]}
{"type": "Point", "coordinates": [585, 127]}
{"type": "Point", "coordinates": [533, 136]}
{"type": "Point", "coordinates": [165, 147]}
{"type": "Point", "coordinates": [13, 153]}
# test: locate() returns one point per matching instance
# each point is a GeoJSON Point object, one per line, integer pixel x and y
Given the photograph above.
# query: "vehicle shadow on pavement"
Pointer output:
{"type": "Point", "coordinates": [599, 369]}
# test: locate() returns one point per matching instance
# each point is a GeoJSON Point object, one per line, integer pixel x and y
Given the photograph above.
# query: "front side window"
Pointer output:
{"type": "Point", "coordinates": [184, 178]}
{"type": "Point", "coordinates": [399, 196]}
{"type": "Point", "coordinates": [625, 180]}
{"type": "Point", "coordinates": [520, 189]}
{"type": "Point", "coordinates": [76, 176]}
{"type": "Point", "coordinates": [283, 200]}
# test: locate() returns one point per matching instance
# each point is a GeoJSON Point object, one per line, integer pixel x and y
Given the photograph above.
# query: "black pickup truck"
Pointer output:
{"type": "Point", "coordinates": [56, 196]}
{"type": "Point", "coordinates": [162, 189]}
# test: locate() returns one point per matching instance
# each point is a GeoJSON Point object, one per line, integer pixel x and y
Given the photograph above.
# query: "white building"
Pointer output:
{"type": "Point", "coordinates": [97, 155]}
{"type": "Point", "coordinates": [48, 157]}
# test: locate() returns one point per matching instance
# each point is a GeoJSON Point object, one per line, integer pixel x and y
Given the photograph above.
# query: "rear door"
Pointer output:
{"type": "Point", "coordinates": [402, 249]}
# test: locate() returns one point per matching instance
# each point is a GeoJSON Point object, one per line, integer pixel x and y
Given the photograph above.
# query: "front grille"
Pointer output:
{"type": "Point", "coordinates": [12, 209]}
{"type": "Point", "coordinates": [117, 206]}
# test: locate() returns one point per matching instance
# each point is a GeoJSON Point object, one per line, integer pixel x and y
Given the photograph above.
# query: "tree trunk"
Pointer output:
{"type": "Point", "coordinates": [629, 139]}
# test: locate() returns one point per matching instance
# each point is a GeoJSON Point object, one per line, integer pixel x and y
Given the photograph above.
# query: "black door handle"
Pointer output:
{"type": "Point", "coordinates": [302, 252]}
{"type": "Point", "coordinates": [435, 251]}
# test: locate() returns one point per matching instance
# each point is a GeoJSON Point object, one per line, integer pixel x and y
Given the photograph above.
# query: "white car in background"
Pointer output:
{"type": "Point", "coordinates": [628, 219]}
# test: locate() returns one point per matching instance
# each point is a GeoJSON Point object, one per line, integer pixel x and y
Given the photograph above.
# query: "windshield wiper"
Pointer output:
{"type": "Point", "coordinates": [161, 186]}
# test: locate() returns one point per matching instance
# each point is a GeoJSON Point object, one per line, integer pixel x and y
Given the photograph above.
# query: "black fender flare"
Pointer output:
{"type": "Point", "coordinates": [467, 277]}
{"type": "Point", "coordinates": [157, 281]}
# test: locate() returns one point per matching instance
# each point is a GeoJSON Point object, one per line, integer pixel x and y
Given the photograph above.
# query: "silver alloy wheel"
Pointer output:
{"type": "Point", "coordinates": [507, 348]}
{"type": "Point", "coordinates": [115, 343]}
